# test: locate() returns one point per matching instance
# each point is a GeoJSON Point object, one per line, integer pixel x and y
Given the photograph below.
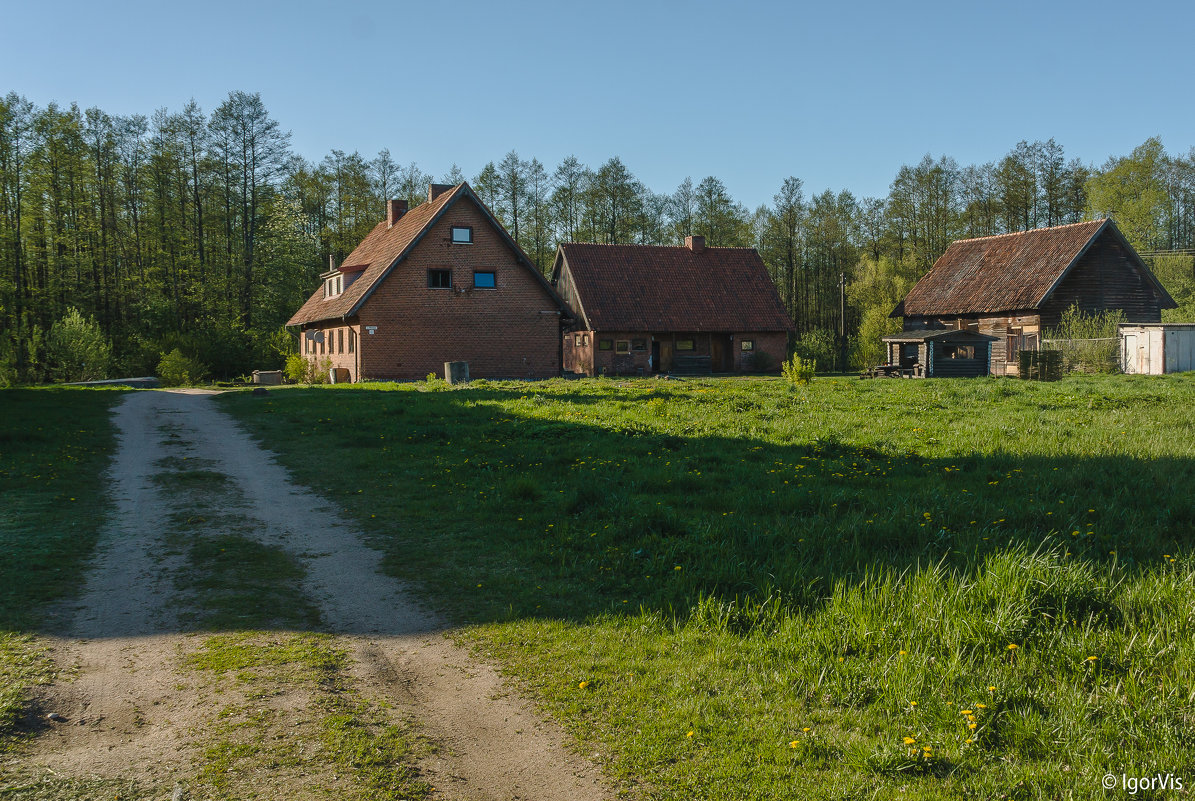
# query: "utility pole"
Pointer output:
{"type": "Point", "coordinates": [842, 348]}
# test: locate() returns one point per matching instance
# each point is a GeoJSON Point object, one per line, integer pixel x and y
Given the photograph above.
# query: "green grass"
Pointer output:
{"type": "Point", "coordinates": [737, 589]}
{"type": "Point", "coordinates": [54, 447]}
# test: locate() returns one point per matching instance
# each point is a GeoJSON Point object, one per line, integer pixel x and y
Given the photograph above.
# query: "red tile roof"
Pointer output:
{"type": "Point", "coordinates": [383, 247]}
{"type": "Point", "coordinates": [380, 248]}
{"type": "Point", "coordinates": [648, 288]}
{"type": "Point", "coordinates": [1000, 273]}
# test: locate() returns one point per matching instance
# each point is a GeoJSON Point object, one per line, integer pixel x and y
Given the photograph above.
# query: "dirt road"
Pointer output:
{"type": "Point", "coordinates": [134, 710]}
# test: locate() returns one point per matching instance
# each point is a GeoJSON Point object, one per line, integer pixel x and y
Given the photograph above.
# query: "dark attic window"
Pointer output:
{"type": "Point", "coordinates": [484, 279]}
{"type": "Point", "coordinates": [462, 235]}
{"type": "Point", "coordinates": [605, 344]}
{"type": "Point", "coordinates": [439, 279]}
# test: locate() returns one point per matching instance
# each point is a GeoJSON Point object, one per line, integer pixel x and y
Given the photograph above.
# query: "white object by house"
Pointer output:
{"type": "Point", "coordinates": [1156, 348]}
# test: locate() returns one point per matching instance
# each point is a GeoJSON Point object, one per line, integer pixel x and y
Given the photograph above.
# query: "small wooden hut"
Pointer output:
{"type": "Point", "coordinates": [941, 353]}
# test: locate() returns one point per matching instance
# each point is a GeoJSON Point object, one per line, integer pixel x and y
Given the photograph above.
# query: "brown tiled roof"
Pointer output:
{"type": "Point", "coordinates": [648, 288]}
{"type": "Point", "coordinates": [383, 247]}
{"type": "Point", "coordinates": [999, 273]}
{"type": "Point", "coordinates": [380, 248]}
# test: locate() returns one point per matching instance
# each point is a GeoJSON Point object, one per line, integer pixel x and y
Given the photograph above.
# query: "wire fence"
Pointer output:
{"type": "Point", "coordinates": [1100, 355]}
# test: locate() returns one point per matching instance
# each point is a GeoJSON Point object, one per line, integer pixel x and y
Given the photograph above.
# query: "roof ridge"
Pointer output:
{"type": "Point", "coordinates": [1027, 231]}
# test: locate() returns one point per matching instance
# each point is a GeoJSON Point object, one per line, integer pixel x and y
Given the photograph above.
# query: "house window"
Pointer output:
{"type": "Point", "coordinates": [484, 279]}
{"type": "Point", "coordinates": [577, 340]}
{"type": "Point", "coordinates": [352, 340]}
{"type": "Point", "coordinates": [340, 340]}
{"type": "Point", "coordinates": [958, 351]}
{"type": "Point", "coordinates": [462, 235]}
{"type": "Point", "coordinates": [747, 344]}
{"type": "Point", "coordinates": [439, 279]}
{"type": "Point", "coordinates": [684, 344]}
{"type": "Point", "coordinates": [638, 344]}
{"type": "Point", "coordinates": [605, 344]}
{"type": "Point", "coordinates": [333, 286]}
{"type": "Point", "coordinates": [622, 346]}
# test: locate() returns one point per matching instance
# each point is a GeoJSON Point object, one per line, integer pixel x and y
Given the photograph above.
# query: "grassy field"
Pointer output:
{"type": "Point", "coordinates": [738, 589]}
{"type": "Point", "coordinates": [54, 447]}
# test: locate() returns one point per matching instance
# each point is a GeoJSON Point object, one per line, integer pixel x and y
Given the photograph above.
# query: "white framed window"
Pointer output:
{"type": "Point", "coordinates": [462, 235]}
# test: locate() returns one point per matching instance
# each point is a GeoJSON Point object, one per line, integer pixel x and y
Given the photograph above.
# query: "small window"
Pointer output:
{"type": "Point", "coordinates": [684, 344]}
{"type": "Point", "coordinates": [484, 279]}
{"type": "Point", "coordinates": [340, 340]}
{"type": "Point", "coordinates": [462, 235]}
{"type": "Point", "coordinates": [638, 344]}
{"type": "Point", "coordinates": [585, 340]}
{"type": "Point", "coordinates": [747, 344]}
{"type": "Point", "coordinates": [605, 344]}
{"type": "Point", "coordinates": [958, 351]}
{"type": "Point", "coordinates": [622, 346]}
{"type": "Point", "coordinates": [439, 279]}
{"type": "Point", "coordinates": [577, 340]}
{"type": "Point", "coordinates": [352, 340]}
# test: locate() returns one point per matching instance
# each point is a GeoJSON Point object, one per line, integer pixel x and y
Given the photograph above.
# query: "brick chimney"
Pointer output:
{"type": "Point", "coordinates": [395, 209]}
{"type": "Point", "coordinates": [435, 190]}
{"type": "Point", "coordinates": [695, 243]}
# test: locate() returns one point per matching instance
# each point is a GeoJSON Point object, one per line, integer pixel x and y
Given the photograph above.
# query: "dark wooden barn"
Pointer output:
{"type": "Point", "coordinates": [1015, 286]}
{"type": "Point", "coordinates": [942, 353]}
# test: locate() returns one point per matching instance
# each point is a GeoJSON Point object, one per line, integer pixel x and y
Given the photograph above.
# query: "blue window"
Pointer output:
{"type": "Point", "coordinates": [484, 279]}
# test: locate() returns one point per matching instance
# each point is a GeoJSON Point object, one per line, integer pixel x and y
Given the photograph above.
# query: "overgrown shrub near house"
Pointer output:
{"type": "Point", "coordinates": [176, 369]}
{"type": "Point", "coordinates": [1090, 343]}
{"type": "Point", "coordinates": [77, 349]}
{"type": "Point", "coordinates": [817, 346]}
{"type": "Point", "coordinates": [798, 371]}
{"type": "Point", "coordinates": [307, 371]}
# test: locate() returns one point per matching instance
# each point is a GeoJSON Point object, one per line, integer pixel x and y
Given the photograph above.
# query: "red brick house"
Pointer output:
{"type": "Point", "coordinates": [1015, 286]}
{"type": "Point", "coordinates": [640, 309]}
{"type": "Point", "coordinates": [441, 282]}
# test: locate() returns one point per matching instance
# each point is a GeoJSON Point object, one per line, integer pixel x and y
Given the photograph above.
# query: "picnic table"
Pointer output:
{"type": "Point", "coordinates": [891, 371]}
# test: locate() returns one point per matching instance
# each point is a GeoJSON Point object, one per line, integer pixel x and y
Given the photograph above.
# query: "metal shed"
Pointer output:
{"type": "Point", "coordinates": [1156, 348]}
{"type": "Point", "coordinates": [942, 353]}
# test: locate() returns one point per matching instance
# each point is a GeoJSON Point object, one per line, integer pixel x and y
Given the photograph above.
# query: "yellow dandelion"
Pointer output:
{"type": "Point", "coordinates": [1012, 646]}
{"type": "Point", "coordinates": [981, 706]}
{"type": "Point", "coordinates": [969, 740]}
{"type": "Point", "coordinates": [583, 685]}
{"type": "Point", "coordinates": [805, 729]}
{"type": "Point", "coordinates": [902, 653]}
{"type": "Point", "coordinates": [1091, 658]}
{"type": "Point", "coordinates": [690, 734]}
{"type": "Point", "coordinates": [972, 725]}
{"type": "Point", "coordinates": [991, 688]}
{"type": "Point", "coordinates": [678, 567]}
{"type": "Point", "coordinates": [792, 744]}
{"type": "Point", "coordinates": [910, 740]}
{"type": "Point", "coordinates": [965, 712]}
{"type": "Point", "coordinates": [912, 703]}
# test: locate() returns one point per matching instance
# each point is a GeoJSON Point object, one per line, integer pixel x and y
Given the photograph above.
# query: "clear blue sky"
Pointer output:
{"type": "Point", "coordinates": [840, 94]}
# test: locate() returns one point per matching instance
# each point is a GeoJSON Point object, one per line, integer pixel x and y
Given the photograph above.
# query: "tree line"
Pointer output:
{"type": "Point", "coordinates": [202, 232]}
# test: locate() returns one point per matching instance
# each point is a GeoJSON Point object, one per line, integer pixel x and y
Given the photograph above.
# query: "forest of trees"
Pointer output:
{"type": "Point", "coordinates": [203, 232]}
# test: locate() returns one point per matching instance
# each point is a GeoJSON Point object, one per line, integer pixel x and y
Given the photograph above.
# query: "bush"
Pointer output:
{"type": "Point", "coordinates": [296, 369]}
{"type": "Point", "coordinates": [817, 346]}
{"type": "Point", "coordinates": [798, 371]}
{"type": "Point", "coordinates": [177, 370]}
{"type": "Point", "coordinates": [77, 349]}
{"type": "Point", "coordinates": [1090, 343]}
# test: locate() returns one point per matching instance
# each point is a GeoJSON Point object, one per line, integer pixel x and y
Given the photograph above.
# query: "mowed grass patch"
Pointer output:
{"type": "Point", "coordinates": [735, 588]}
{"type": "Point", "coordinates": [54, 448]}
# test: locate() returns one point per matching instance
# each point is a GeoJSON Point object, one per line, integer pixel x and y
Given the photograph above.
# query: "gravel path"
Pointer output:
{"type": "Point", "coordinates": [132, 712]}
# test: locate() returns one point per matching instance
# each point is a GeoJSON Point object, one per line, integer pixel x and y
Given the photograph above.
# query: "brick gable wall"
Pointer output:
{"type": "Point", "coordinates": [512, 331]}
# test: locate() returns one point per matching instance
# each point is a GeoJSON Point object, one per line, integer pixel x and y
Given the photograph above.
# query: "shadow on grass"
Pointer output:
{"type": "Point", "coordinates": [505, 504]}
